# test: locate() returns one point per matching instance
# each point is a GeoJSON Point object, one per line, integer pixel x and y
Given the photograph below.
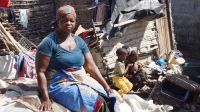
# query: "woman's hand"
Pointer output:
{"type": "Point", "coordinates": [109, 91]}
{"type": "Point", "coordinates": [46, 105]}
{"type": "Point", "coordinates": [42, 62]}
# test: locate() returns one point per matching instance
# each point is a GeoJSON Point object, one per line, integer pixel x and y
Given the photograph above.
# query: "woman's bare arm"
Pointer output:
{"type": "Point", "coordinates": [93, 70]}
{"type": "Point", "coordinates": [42, 62]}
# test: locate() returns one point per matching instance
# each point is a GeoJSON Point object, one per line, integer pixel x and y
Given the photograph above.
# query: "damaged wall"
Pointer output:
{"type": "Point", "coordinates": [40, 14]}
{"type": "Point", "coordinates": [186, 20]}
{"type": "Point", "coordinates": [141, 36]}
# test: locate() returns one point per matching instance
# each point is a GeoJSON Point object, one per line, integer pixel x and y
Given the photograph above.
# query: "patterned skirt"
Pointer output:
{"type": "Point", "coordinates": [77, 91]}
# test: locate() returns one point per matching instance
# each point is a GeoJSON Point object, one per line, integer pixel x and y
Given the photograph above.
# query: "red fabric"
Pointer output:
{"type": "Point", "coordinates": [85, 33]}
{"type": "Point", "coordinates": [4, 3]}
{"type": "Point", "coordinates": [72, 69]}
{"type": "Point", "coordinates": [22, 72]}
{"type": "Point", "coordinates": [98, 105]}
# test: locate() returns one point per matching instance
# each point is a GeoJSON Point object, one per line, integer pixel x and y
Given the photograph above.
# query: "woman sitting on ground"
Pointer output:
{"type": "Point", "coordinates": [61, 61]}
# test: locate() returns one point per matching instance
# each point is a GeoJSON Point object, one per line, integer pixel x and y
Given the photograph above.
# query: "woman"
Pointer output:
{"type": "Point", "coordinates": [60, 61]}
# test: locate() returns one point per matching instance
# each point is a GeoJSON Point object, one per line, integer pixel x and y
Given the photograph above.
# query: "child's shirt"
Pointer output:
{"type": "Point", "coordinates": [119, 68]}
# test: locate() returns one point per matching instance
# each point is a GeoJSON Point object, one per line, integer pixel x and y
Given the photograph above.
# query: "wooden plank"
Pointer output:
{"type": "Point", "coordinates": [163, 34]}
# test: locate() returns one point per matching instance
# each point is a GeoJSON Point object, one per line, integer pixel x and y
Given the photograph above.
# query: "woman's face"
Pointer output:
{"type": "Point", "coordinates": [67, 23]}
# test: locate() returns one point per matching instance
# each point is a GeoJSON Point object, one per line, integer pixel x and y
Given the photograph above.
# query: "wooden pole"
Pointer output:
{"type": "Point", "coordinates": [124, 23]}
{"type": "Point", "coordinates": [168, 6]}
{"type": "Point", "coordinates": [9, 38]}
{"type": "Point", "coordinates": [5, 43]}
{"type": "Point", "coordinates": [18, 33]}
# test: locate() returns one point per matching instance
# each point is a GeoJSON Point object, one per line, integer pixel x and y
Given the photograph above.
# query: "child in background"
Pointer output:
{"type": "Point", "coordinates": [119, 79]}
{"type": "Point", "coordinates": [136, 75]}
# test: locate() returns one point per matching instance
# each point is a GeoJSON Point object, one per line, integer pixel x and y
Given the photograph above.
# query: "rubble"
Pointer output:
{"type": "Point", "coordinates": [168, 83]}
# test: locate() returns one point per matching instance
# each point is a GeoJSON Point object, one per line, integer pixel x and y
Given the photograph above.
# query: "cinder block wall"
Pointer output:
{"type": "Point", "coordinates": [186, 20]}
{"type": "Point", "coordinates": [42, 12]}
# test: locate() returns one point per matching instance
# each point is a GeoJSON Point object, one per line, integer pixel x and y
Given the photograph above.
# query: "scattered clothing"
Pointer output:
{"type": "Point", "coordinates": [86, 35]}
{"type": "Point", "coordinates": [24, 16]}
{"type": "Point", "coordinates": [25, 65]}
{"type": "Point", "coordinates": [161, 70]}
{"type": "Point", "coordinates": [19, 64]}
{"type": "Point", "coordinates": [7, 70]}
{"type": "Point", "coordinates": [29, 66]}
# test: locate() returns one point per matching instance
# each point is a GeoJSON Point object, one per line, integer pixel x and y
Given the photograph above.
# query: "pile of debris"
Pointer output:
{"type": "Point", "coordinates": [173, 86]}
{"type": "Point", "coordinates": [9, 43]}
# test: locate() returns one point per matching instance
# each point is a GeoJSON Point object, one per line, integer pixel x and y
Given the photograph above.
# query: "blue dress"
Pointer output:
{"type": "Point", "coordinates": [60, 57]}
{"type": "Point", "coordinates": [73, 94]}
